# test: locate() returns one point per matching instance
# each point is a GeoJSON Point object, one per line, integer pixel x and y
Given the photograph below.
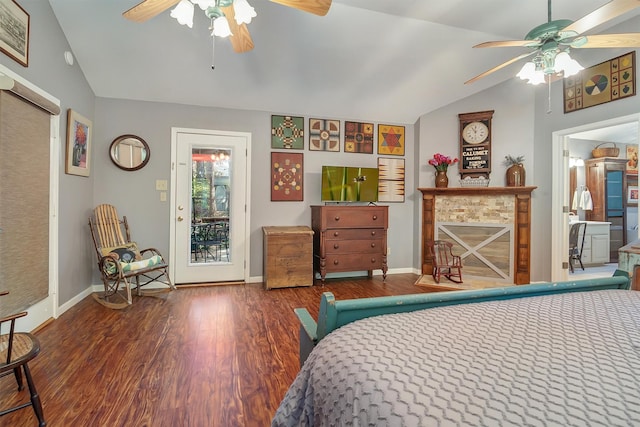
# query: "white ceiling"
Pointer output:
{"type": "Point", "coordinates": [376, 60]}
{"type": "Point", "coordinates": [626, 133]}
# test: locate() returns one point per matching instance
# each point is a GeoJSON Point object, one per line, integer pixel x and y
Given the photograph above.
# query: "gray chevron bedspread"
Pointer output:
{"type": "Point", "coordinates": [560, 360]}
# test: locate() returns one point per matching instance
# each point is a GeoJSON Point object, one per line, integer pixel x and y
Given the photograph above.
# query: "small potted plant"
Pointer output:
{"type": "Point", "coordinates": [515, 171]}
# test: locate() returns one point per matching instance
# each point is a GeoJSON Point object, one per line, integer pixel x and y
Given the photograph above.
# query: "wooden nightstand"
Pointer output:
{"type": "Point", "coordinates": [288, 257]}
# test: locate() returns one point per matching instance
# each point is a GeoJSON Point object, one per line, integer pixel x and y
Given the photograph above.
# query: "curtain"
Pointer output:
{"type": "Point", "coordinates": [24, 197]}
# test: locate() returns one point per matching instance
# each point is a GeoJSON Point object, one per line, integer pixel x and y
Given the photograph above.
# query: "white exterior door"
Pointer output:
{"type": "Point", "coordinates": [210, 171]}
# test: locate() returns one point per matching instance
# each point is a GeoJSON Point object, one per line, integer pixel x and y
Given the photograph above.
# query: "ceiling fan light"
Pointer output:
{"type": "Point", "coordinates": [537, 78]}
{"type": "Point", "coordinates": [204, 4]}
{"type": "Point", "coordinates": [567, 65]}
{"type": "Point", "coordinates": [243, 11]}
{"type": "Point", "coordinates": [528, 71]}
{"type": "Point", "coordinates": [183, 13]}
{"type": "Point", "coordinates": [221, 27]}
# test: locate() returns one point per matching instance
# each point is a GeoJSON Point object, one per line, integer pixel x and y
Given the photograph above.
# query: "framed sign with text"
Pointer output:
{"type": "Point", "coordinates": [475, 143]}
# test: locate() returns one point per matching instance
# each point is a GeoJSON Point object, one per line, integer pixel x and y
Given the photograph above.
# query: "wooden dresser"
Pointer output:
{"type": "Point", "coordinates": [287, 257]}
{"type": "Point", "coordinates": [349, 238]}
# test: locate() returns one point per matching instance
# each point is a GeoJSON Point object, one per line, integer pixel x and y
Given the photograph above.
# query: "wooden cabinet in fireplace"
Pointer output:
{"type": "Point", "coordinates": [349, 238]}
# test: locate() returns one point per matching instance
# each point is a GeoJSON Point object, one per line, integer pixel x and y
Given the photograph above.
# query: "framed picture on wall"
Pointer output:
{"type": "Point", "coordinates": [632, 195]}
{"type": "Point", "coordinates": [14, 27]}
{"type": "Point", "coordinates": [286, 177]}
{"type": "Point", "coordinates": [78, 144]}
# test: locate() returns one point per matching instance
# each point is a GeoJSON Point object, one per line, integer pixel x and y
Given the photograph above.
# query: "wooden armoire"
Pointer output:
{"type": "Point", "coordinates": [606, 180]}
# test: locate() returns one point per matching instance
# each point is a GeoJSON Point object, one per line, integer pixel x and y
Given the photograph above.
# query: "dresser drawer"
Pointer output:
{"type": "Point", "coordinates": [353, 262]}
{"type": "Point", "coordinates": [354, 234]}
{"type": "Point", "coordinates": [347, 217]}
{"type": "Point", "coordinates": [354, 246]}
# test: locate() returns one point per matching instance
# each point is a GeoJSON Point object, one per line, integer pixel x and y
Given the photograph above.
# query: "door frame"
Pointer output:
{"type": "Point", "coordinates": [560, 180]}
{"type": "Point", "coordinates": [172, 199]}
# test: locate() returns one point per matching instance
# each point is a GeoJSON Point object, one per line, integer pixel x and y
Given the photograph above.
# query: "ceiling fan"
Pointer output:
{"type": "Point", "coordinates": [240, 38]}
{"type": "Point", "coordinates": [556, 37]}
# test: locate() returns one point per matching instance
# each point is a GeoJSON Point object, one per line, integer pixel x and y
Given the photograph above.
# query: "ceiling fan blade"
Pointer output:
{"type": "Point", "coordinates": [148, 9]}
{"type": "Point", "coordinates": [607, 40]}
{"type": "Point", "coordinates": [504, 64]}
{"type": "Point", "coordinates": [510, 43]}
{"type": "Point", "coordinates": [240, 39]}
{"type": "Point", "coordinates": [317, 7]}
{"type": "Point", "coordinates": [611, 10]}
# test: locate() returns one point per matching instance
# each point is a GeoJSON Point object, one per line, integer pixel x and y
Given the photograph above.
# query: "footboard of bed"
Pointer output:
{"type": "Point", "coordinates": [334, 314]}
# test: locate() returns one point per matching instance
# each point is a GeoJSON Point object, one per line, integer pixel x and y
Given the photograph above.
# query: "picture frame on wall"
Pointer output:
{"type": "Point", "coordinates": [287, 132]}
{"type": "Point", "coordinates": [632, 195]}
{"type": "Point", "coordinates": [391, 140]}
{"type": "Point", "coordinates": [605, 82]}
{"type": "Point", "coordinates": [78, 150]}
{"type": "Point", "coordinates": [287, 177]}
{"type": "Point", "coordinates": [391, 172]}
{"type": "Point", "coordinates": [14, 31]}
{"type": "Point", "coordinates": [358, 137]}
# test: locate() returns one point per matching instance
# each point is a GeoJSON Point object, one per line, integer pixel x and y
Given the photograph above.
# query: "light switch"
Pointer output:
{"type": "Point", "coordinates": [163, 196]}
{"type": "Point", "coordinates": [161, 184]}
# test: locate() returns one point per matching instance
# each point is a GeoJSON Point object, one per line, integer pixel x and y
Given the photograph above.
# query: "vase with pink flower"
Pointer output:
{"type": "Point", "coordinates": [441, 163]}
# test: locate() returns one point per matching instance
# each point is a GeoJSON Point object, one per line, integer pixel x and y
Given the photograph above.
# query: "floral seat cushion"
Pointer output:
{"type": "Point", "coordinates": [130, 258]}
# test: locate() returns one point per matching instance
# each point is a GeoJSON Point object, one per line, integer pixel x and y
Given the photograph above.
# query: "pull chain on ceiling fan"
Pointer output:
{"type": "Point", "coordinates": [553, 40]}
{"type": "Point", "coordinates": [229, 18]}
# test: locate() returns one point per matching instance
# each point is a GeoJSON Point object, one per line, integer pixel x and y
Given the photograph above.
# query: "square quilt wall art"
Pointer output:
{"type": "Point", "coordinates": [390, 180]}
{"type": "Point", "coordinates": [287, 132]}
{"type": "Point", "coordinates": [391, 140]}
{"type": "Point", "coordinates": [358, 137]}
{"type": "Point", "coordinates": [286, 177]}
{"type": "Point", "coordinates": [324, 135]}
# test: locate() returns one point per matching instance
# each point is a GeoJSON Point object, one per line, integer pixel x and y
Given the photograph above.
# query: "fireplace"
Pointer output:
{"type": "Point", "coordinates": [489, 226]}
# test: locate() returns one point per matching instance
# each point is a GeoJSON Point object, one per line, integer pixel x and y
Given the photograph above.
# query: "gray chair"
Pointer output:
{"type": "Point", "coordinates": [576, 243]}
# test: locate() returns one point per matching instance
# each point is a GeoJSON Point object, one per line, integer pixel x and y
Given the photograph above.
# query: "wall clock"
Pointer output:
{"type": "Point", "coordinates": [475, 143]}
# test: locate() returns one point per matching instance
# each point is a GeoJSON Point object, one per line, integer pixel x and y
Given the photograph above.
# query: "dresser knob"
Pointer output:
{"type": "Point", "coordinates": [335, 262]}
{"type": "Point", "coordinates": [373, 260]}
{"type": "Point", "coordinates": [373, 245]}
{"type": "Point", "coordinates": [373, 233]}
{"type": "Point", "coordinates": [375, 217]}
{"type": "Point", "coordinates": [336, 233]}
{"type": "Point", "coordinates": [337, 218]}
{"type": "Point", "coordinates": [336, 246]}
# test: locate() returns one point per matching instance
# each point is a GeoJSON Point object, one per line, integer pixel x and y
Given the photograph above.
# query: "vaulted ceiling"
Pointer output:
{"type": "Point", "coordinates": [376, 60]}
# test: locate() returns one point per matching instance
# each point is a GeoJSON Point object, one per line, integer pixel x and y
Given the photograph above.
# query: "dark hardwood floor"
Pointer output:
{"type": "Point", "coordinates": [199, 356]}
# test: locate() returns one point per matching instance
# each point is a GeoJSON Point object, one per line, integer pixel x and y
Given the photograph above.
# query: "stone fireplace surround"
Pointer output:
{"type": "Point", "coordinates": [490, 226]}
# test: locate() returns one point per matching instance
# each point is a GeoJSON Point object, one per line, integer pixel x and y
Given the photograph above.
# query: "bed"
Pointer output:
{"type": "Point", "coordinates": [564, 358]}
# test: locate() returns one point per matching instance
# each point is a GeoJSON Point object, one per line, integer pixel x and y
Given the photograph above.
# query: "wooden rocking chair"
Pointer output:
{"type": "Point", "coordinates": [444, 262]}
{"type": "Point", "coordinates": [120, 260]}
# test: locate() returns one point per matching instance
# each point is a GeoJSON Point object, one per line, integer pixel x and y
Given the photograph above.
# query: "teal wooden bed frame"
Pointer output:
{"type": "Point", "coordinates": [334, 314]}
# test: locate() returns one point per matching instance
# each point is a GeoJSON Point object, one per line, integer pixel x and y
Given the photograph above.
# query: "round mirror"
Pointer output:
{"type": "Point", "coordinates": [129, 152]}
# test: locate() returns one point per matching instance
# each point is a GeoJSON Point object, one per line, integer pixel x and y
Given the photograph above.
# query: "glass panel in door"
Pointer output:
{"type": "Point", "coordinates": [210, 201]}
